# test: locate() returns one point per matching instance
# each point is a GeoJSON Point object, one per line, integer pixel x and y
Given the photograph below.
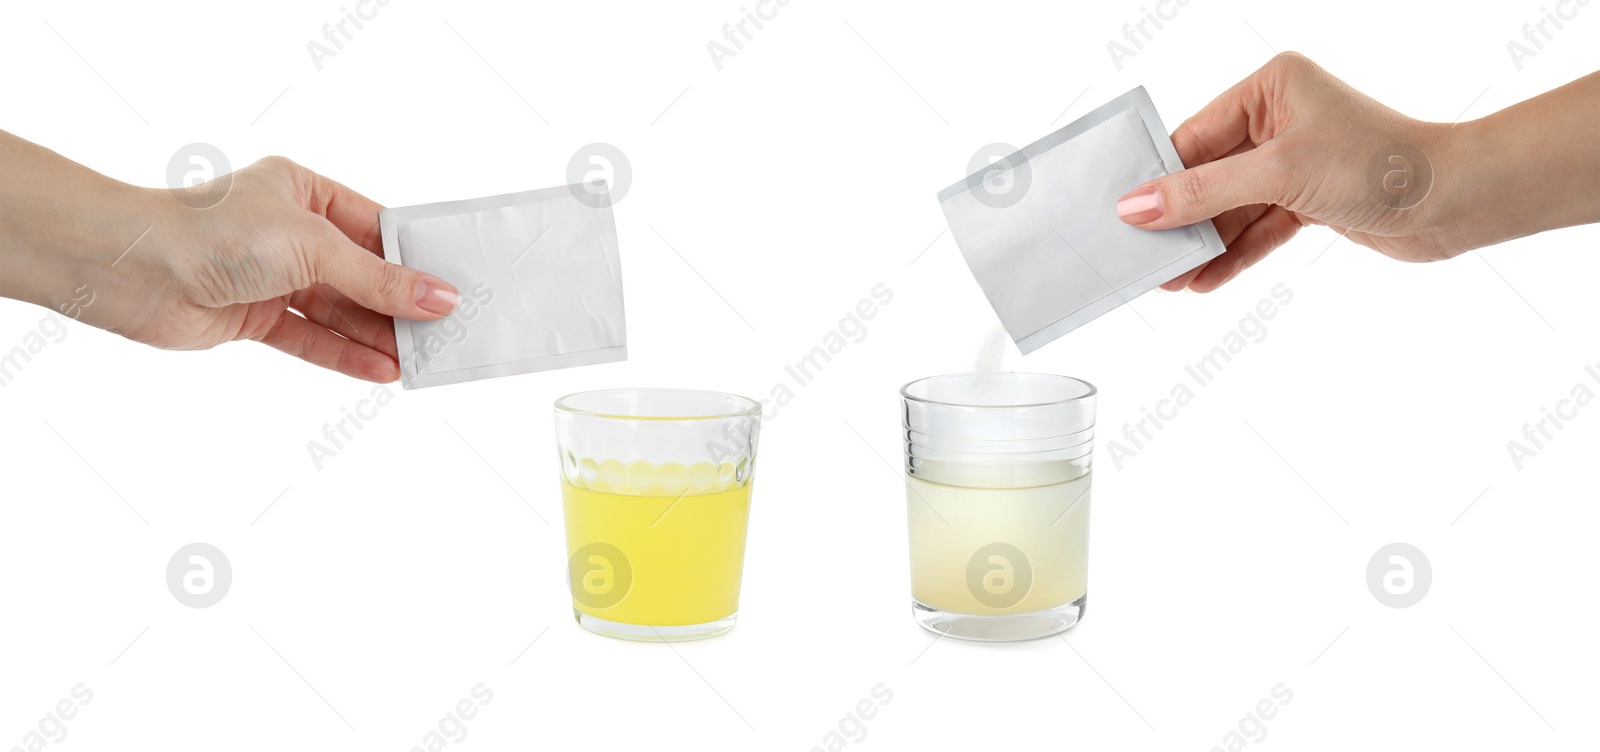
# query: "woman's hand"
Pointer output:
{"type": "Point", "coordinates": [287, 258]}
{"type": "Point", "coordinates": [1291, 145]}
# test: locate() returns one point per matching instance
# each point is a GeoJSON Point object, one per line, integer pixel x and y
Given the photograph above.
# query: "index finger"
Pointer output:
{"type": "Point", "coordinates": [1225, 124]}
{"type": "Point", "coordinates": [354, 214]}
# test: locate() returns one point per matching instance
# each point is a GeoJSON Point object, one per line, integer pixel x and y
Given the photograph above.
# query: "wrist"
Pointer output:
{"type": "Point", "coordinates": [1472, 182]}
{"type": "Point", "coordinates": [1453, 213]}
{"type": "Point", "coordinates": [70, 245]}
{"type": "Point", "coordinates": [1502, 180]}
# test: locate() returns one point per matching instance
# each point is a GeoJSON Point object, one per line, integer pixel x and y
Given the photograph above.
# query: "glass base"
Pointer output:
{"type": "Point", "coordinates": [1007, 628]}
{"type": "Point", "coordinates": [646, 633]}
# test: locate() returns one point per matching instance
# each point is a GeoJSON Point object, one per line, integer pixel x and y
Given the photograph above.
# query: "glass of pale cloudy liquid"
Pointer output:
{"type": "Point", "coordinates": [655, 485]}
{"type": "Point", "coordinates": [997, 494]}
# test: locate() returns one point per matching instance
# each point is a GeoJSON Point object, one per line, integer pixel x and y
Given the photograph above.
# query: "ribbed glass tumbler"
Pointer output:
{"type": "Point", "coordinates": [997, 495]}
{"type": "Point", "coordinates": [655, 485]}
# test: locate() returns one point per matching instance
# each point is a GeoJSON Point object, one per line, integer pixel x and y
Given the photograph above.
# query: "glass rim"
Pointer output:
{"type": "Point", "coordinates": [752, 407]}
{"type": "Point", "coordinates": [905, 391]}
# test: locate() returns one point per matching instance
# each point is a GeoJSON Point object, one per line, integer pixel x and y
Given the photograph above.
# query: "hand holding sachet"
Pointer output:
{"type": "Point", "coordinates": [1049, 254]}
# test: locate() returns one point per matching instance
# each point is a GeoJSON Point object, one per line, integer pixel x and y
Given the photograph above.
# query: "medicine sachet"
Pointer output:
{"type": "Point", "coordinates": [1049, 251]}
{"type": "Point", "coordinates": [540, 281]}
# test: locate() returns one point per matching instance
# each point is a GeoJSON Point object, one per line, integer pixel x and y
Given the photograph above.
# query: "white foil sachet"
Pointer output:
{"type": "Point", "coordinates": [540, 281]}
{"type": "Point", "coordinates": [1049, 251]}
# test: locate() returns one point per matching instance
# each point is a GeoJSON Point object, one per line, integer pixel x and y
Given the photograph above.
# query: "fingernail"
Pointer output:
{"type": "Point", "coordinates": [1141, 206]}
{"type": "Point", "coordinates": [436, 297]}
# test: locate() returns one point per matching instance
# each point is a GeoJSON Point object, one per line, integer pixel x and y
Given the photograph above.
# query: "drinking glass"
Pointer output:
{"type": "Point", "coordinates": [997, 496]}
{"type": "Point", "coordinates": [655, 487]}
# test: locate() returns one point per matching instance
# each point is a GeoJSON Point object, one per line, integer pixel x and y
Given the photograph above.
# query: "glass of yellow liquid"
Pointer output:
{"type": "Point", "coordinates": [997, 496]}
{"type": "Point", "coordinates": [655, 487]}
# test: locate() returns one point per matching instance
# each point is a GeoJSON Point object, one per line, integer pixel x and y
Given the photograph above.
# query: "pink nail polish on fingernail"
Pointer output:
{"type": "Point", "coordinates": [436, 298]}
{"type": "Point", "coordinates": [1141, 206]}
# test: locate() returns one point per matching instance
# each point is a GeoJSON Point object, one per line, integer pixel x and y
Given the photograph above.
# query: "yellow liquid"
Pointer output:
{"type": "Point", "coordinates": [657, 559]}
{"type": "Point", "coordinates": [998, 551]}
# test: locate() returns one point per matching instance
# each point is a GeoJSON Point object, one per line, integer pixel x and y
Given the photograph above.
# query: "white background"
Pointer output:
{"type": "Point", "coordinates": [369, 597]}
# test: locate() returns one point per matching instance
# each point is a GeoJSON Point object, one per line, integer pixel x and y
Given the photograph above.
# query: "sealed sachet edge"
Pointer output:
{"type": "Point", "coordinates": [405, 343]}
{"type": "Point", "coordinates": [388, 218]}
{"type": "Point", "coordinates": [1137, 99]}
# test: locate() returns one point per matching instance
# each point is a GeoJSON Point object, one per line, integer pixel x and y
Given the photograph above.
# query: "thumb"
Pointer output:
{"type": "Point", "coordinates": [1203, 191]}
{"type": "Point", "coordinates": [384, 287]}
